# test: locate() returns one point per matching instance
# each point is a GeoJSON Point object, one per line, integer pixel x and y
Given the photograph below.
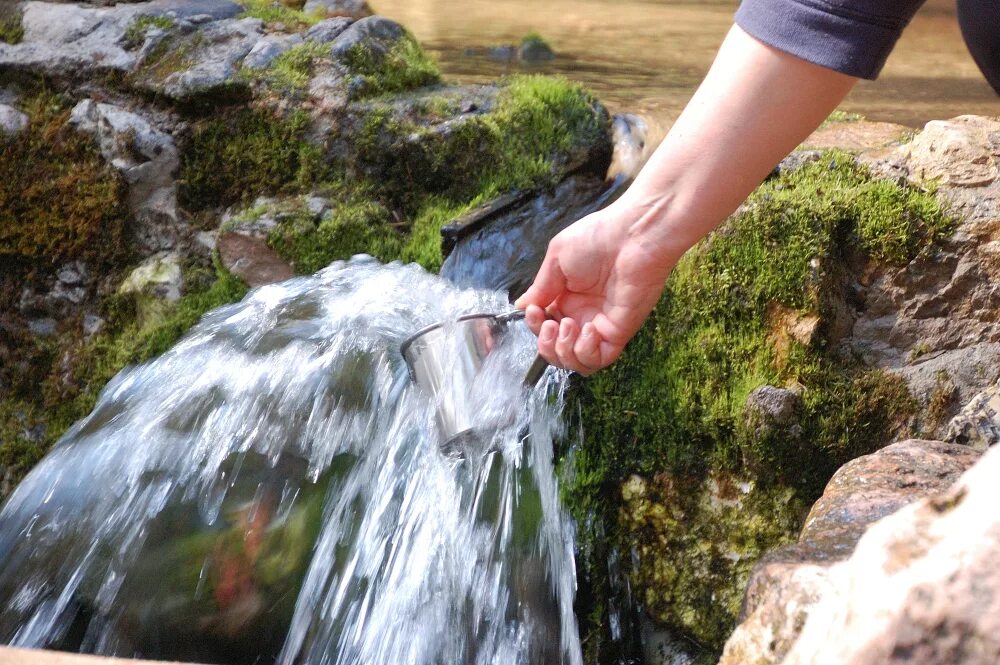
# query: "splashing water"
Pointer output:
{"type": "Point", "coordinates": [273, 489]}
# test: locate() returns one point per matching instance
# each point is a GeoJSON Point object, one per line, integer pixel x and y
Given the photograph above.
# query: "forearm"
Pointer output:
{"type": "Point", "coordinates": [754, 107]}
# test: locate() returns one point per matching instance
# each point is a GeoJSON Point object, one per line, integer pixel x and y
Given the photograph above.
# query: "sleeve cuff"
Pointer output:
{"type": "Point", "coordinates": [823, 34]}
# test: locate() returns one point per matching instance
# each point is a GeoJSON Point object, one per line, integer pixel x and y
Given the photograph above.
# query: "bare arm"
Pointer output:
{"type": "Point", "coordinates": [604, 274]}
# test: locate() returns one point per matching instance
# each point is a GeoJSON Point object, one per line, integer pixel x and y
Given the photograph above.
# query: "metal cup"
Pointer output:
{"type": "Point", "coordinates": [447, 357]}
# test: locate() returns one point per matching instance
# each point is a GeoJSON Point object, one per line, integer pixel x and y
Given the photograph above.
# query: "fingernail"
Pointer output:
{"type": "Point", "coordinates": [518, 304]}
{"type": "Point", "coordinates": [547, 334]}
{"type": "Point", "coordinates": [564, 331]}
{"type": "Point", "coordinates": [588, 330]}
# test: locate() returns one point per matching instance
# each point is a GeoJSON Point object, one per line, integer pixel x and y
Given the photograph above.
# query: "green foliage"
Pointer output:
{"type": "Point", "coordinates": [58, 198]}
{"type": "Point", "coordinates": [291, 71]}
{"type": "Point", "coordinates": [11, 30]}
{"type": "Point", "coordinates": [431, 176]}
{"type": "Point", "coordinates": [674, 404]}
{"type": "Point", "coordinates": [136, 33]}
{"type": "Point", "coordinates": [248, 152]}
{"type": "Point", "coordinates": [356, 225]}
{"type": "Point", "coordinates": [276, 13]}
{"type": "Point", "coordinates": [135, 332]}
{"type": "Point", "coordinates": [403, 67]}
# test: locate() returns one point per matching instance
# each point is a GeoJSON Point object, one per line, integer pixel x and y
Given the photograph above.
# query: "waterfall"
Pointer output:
{"type": "Point", "coordinates": [272, 489]}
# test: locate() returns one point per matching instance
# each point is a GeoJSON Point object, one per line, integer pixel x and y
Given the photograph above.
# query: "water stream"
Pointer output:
{"type": "Point", "coordinates": [272, 489]}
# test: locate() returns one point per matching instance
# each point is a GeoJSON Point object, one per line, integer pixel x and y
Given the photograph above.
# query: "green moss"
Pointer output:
{"type": "Point", "coordinates": [675, 402]}
{"type": "Point", "coordinates": [276, 13]}
{"type": "Point", "coordinates": [248, 152]}
{"type": "Point", "coordinates": [404, 67]}
{"type": "Point", "coordinates": [31, 420]}
{"type": "Point", "coordinates": [59, 200]}
{"type": "Point", "coordinates": [11, 30]}
{"type": "Point", "coordinates": [356, 225]}
{"type": "Point", "coordinates": [291, 71]}
{"type": "Point", "coordinates": [538, 127]}
{"type": "Point", "coordinates": [534, 39]}
{"type": "Point", "coordinates": [136, 32]}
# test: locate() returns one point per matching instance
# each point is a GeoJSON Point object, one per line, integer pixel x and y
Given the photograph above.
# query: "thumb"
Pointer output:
{"type": "Point", "coordinates": [549, 284]}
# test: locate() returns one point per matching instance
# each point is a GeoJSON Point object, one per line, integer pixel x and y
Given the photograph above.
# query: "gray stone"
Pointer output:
{"type": "Point", "coordinates": [72, 273]}
{"type": "Point", "coordinates": [69, 294]}
{"type": "Point", "coordinates": [978, 423]}
{"type": "Point", "coordinates": [92, 324]}
{"type": "Point", "coordinates": [214, 54]}
{"type": "Point", "coordinates": [147, 158]}
{"type": "Point", "coordinates": [327, 31]}
{"type": "Point", "coordinates": [535, 50]}
{"type": "Point", "coordinates": [42, 327]}
{"type": "Point", "coordinates": [267, 49]}
{"type": "Point", "coordinates": [12, 121]}
{"type": "Point", "coordinates": [159, 276]}
{"type": "Point", "coordinates": [250, 259]}
{"type": "Point", "coordinates": [775, 405]}
{"type": "Point", "coordinates": [350, 8]}
{"type": "Point", "coordinates": [376, 33]}
{"type": "Point", "coordinates": [317, 205]}
{"type": "Point", "coordinates": [787, 583]}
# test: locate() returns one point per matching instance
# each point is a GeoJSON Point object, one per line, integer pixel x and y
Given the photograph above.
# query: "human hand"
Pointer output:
{"type": "Point", "coordinates": [599, 281]}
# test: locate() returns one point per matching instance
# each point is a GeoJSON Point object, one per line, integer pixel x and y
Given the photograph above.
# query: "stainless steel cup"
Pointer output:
{"type": "Point", "coordinates": [446, 357]}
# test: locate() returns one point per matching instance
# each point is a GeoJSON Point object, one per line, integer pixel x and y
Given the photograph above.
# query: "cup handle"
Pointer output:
{"type": "Point", "coordinates": [539, 366]}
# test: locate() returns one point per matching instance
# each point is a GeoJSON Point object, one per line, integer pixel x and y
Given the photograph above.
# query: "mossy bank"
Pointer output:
{"type": "Point", "coordinates": [349, 112]}
{"type": "Point", "coordinates": [686, 461]}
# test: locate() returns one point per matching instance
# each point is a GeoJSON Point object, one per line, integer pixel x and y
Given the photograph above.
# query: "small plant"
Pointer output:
{"type": "Point", "coordinates": [274, 14]}
{"type": "Point", "coordinates": [839, 116]}
{"type": "Point", "coordinates": [136, 33]}
{"type": "Point", "coordinates": [11, 30]}
{"type": "Point", "coordinates": [290, 71]}
{"type": "Point", "coordinates": [404, 67]}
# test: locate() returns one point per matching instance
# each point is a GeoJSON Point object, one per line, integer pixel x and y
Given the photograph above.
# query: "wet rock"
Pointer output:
{"type": "Point", "coordinates": [534, 50]}
{"type": "Point", "coordinates": [922, 586]}
{"type": "Point", "coordinates": [787, 582]}
{"type": "Point", "coordinates": [159, 276]}
{"type": "Point", "coordinates": [148, 159]}
{"type": "Point", "coordinates": [267, 49]}
{"type": "Point", "coordinates": [250, 259]}
{"type": "Point", "coordinates": [12, 121]}
{"type": "Point", "coordinates": [350, 8]}
{"type": "Point", "coordinates": [630, 137]}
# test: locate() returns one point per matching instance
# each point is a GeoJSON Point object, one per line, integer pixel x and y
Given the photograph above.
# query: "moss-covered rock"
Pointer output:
{"type": "Point", "coordinates": [755, 304]}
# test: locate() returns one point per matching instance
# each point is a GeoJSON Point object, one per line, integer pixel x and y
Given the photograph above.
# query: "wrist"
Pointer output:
{"type": "Point", "coordinates": [658, 223]}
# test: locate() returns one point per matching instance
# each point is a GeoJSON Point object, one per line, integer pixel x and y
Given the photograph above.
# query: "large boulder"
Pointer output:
{"type": "Point", "coordinates": [787, 583]}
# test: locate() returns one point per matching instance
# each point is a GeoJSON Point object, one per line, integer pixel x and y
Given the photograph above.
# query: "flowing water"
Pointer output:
{"type": "Point", "coordinates": [273, 489]}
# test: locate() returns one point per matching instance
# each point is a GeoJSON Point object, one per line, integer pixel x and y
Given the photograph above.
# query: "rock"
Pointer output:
{"type": "Point", "coordinates": [42, 327]}
{"type": "Point", "coordinates": [12, 121]}
{"type": "Point", "coordinates": [72, 273]}
{"type": "Point", "coordinates": [376, 33]}
{"type": "Point", "coordinates": [630, 134]}
{"type": "Point", "coordinates": [857, 136]}
{"type": "Point", "coordinates": [252, 260]}
{"type": "Point", "coordinates": [159, 275]}
{"type": "Point", "coordinates": [937, 319]}
{"type": "Point", "coordinates": [787, 582]}
{"type": "Point", "coordinates": [148, 159]}
{"type": "Point", "coordinates": [92, 324]}
{"type": "Point", "coordinates": [327, 31]}
{"type": "Point", "coordinates": [267, 49]}
{"type": "Point", "coordinates": [350, 8]}
{"type": "Point", "coordinates": [774, 405]}
{"type": "Point", "coordinates": [922, 586]}
{"type": "Point", "coordinates": [535, 50]}
{"type": "Point", "coordinates": [212, 58]}
{"type": "Point", "coordinates": [978, 423]}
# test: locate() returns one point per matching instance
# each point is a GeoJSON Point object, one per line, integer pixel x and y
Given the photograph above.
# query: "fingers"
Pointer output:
{"type": "Point", "coordinates": [534, 316]}
{"type": "Point", "coordinates": [565, 345]}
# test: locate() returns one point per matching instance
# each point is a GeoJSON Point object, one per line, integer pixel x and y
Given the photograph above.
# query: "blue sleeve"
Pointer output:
{"type": "Point", "coordinates": [853, 37]}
